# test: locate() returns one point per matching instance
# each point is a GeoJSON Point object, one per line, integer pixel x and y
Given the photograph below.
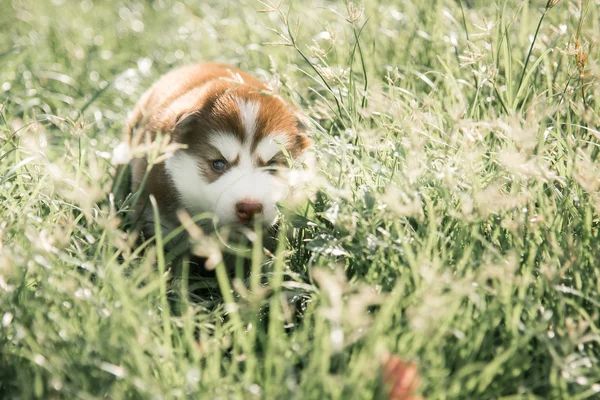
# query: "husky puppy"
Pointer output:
{"type": "Point", "coordinates": [240, 143]}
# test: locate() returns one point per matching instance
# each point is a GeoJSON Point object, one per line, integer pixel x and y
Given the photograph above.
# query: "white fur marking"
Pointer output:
{"type": "Point", "coordinates": [270, 146]}
{"type": "Point", "coordinates": [184, 172]}
{"type": "Point", "coordinates": [220, 197]}
{"type": "Point", "coordinates": [249, 114]}
{"type": "Point", "coordinates": [228, 144]}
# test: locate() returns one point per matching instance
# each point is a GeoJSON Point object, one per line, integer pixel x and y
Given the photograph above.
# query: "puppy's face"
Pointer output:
{"type": "Point", "coordinates": [241, 146]}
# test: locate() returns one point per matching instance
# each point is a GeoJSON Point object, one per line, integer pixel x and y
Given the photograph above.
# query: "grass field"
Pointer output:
{"type": "Point", "coordinates": [456, 222]}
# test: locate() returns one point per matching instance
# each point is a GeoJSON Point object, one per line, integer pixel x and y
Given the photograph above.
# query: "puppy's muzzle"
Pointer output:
{"type": "Point", "coordinates": [247, 209]}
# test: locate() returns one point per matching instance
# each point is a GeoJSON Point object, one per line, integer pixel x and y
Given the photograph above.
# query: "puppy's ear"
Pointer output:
{"type": "Point", "coordinates": [302, 123]}
{"type": "Point", "coordinates": [184, 122]}
{"type": "Point", "coordinates": [303, 138]}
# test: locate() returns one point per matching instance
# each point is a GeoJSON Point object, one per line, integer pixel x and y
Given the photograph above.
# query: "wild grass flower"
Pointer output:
{"type": "Point", "coordinates": [552, 3]}
{"type": "Point", "coordinates": [346, 327]}
{"type": "Point", "coordinates": [202, 245]}
{"type": "Point", "coordinates": [354, 12]}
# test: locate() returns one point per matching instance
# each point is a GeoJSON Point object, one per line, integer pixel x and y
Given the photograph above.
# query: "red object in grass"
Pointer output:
{"type": "Point", "coordinates": [400, 378]}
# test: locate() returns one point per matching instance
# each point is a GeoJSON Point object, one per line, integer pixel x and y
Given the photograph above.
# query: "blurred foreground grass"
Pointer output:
{"type": "Point", "coordinates": [456, 224]}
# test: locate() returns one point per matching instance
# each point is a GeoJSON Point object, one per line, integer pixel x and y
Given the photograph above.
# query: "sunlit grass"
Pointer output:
{"type": "Point", "coordinates": [455, 222]}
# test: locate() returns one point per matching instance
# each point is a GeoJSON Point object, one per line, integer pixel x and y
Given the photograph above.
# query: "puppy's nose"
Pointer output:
{"type": "Point", "coordinates": [246, 209]}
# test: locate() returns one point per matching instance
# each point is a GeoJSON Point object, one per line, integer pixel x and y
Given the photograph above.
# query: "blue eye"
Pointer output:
{"type": "Point", "coordinates": [272, 166]}
{"type": "Point", "coordinates": [219, 165]}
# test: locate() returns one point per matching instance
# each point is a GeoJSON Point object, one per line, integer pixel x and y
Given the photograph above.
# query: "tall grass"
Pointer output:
{"type": "Point", "coordinates": [455, 223]}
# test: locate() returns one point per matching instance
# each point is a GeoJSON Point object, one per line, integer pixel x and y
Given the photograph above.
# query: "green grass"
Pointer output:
{"type": "Point", "coordinates": [456, 221]}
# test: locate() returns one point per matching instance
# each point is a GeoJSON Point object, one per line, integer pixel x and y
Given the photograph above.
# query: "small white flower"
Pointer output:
{"type": "Point", "coordinates": [121, 154]}
{"type": "Point", "coordinates": [7, 319]}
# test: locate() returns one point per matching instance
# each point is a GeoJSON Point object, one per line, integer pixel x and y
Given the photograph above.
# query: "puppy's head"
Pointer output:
{"type": "Point", "coordinates": [241, 146]}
